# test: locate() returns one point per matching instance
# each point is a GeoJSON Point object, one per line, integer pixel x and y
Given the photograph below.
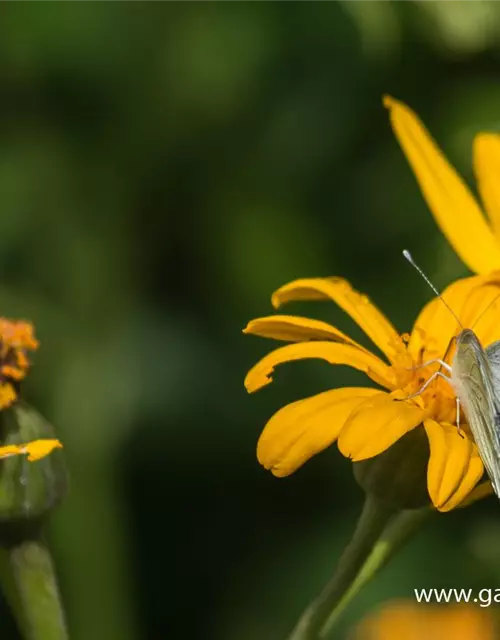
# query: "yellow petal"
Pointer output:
{"type": "Point", "coordinates": [11, 450]}
{"type": "Point", "coordinates": [454, 465]}
{"type": "Point", "coordinates": [409, 620]}
{"type": "Point", "coordinates": [436, 325]}
{"type": "Point", "coordinates": [480, 311]}
{"type": "Point", "coordinates": [482, 490]}
{"type": "Point", "coordinates": [448, 197]}
{"type": "Point", "coordinates": [297, 329]}
{"type": "Point", "coordinates": [35, 450]}
{"type": "Point", "coordinates": [40, 448]}
{"type": "Point", "coordinates": [474, 300]}
{"type": "Point", "coordinates": [376, 326]}
{"type": "Point", "coordinates": [487, 170]}
{"type": "Point", "coordinates": [376, 425]}
{"type": "Point", "coordinates": [7, 395]}
{"type": "Point", "coordinates": [332, 352]}
{"type": "Point", "coordinates": [301, 429]}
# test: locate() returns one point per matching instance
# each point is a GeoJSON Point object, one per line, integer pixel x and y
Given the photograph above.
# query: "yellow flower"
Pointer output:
{"type": "Point", "coordinates": [414, 621]}
{"type": "Point", "coordinates": [16, 339]}
{"type": "Point", "coordinates": [364, 420]}
{"type": "Point", "coordinates": [460, 216]}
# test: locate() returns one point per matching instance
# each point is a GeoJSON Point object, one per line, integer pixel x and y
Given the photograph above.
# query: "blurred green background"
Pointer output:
{"type": "Point", "coordinates": [163, 168]}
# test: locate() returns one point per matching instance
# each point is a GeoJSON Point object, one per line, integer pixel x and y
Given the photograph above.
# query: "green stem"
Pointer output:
{"type": "Point", "coordinates": [392, 539]}
{"type": "Point", "coordinates": [29, 582]}
{"type": "Point", "coordinates": [371, 524]}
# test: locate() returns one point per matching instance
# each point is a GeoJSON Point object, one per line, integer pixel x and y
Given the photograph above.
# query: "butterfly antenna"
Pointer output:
{"type": "Point", "coordinates": [410, 259]}
{"type": "Point", "coordinates": [487, 308]}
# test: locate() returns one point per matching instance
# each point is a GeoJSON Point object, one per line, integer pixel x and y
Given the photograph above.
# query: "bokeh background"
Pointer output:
{"type": "Point", "coordinates": [163, 168]}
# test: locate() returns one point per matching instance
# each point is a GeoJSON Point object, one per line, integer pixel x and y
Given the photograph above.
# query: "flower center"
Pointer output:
{"type": "Point", "coordinates": [438, 396]}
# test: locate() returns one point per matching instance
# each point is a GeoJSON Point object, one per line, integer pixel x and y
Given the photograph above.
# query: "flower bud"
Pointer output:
{"type": "Point", "coordinates": [28, 490]}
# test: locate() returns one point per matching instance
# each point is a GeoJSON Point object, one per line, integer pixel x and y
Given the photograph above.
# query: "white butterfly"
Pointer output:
{"type": "Point", "coordinates": [475, 377]}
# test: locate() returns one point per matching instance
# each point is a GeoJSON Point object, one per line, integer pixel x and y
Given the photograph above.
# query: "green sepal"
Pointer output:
{"type": "Point", "coordinates": [397, 477]}
{"type": "Point", "coordinates": [28, 490]}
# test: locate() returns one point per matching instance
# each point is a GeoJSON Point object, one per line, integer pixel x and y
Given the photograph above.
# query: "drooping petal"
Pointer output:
{"type": "Point", "coordinates": [376, 326]}
{"type": "Point", "coordinates": [301, 429]}
{"type": "Point", "coordinates": [297, 329]}
{"type": "Point", "coordinates": [454, 465]}
{"type": "Point", "coordinates": [377, 424]}
{"type": "Point", "coordinates": [449, 199]}
{"type": "Point", "coordinates": [487, 171]}
{"type": "Point", "coordinates": [332, 352]}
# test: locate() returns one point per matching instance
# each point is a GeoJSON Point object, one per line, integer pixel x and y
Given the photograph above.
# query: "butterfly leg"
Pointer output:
{"type": "Point", "coordinates": [429, 362]}
{"type": "Point", "coordinates": [460, 433]}
{"type": "Point", "coordinates": [426, 384]}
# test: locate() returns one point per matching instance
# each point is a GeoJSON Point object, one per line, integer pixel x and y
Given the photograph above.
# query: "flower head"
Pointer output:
{"type": "Point", "coordinates": [405, 619]}
{"type": "Point", "coordinates": [365, 421]}
{"type": "Point", "coordinates": [16, 339]}
{"type": "Point", "coordinates": [460, 216]}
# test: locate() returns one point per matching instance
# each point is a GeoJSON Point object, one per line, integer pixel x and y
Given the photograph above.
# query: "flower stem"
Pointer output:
{"type": "Point", "coordinates": [372, 522]}
{"type": "Point", "coordinates": [29, 582]}
{"type": "Point", "coordinates": [402, 527]}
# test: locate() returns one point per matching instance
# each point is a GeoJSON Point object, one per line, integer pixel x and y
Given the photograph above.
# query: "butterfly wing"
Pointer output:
{"type": "Point", "coordinates": [479, 392]}
{"type": "Point", "coordinates": [493, 356]}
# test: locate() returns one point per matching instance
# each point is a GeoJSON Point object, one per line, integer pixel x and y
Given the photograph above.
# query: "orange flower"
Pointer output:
{"type": "Point", "coordinates": [16, 339]}
{"type": "Point", "coordinates": [475, 239]}
{"type": "Point", "coordinates": [365, 420]}
{"type": "Point", "coordinates": [412, 621]}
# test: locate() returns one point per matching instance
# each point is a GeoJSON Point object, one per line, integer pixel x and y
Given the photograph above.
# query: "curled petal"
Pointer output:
{"type": "Point", "coordinates": [297, 329]}
{"type": "Point", "coordinates": [333, 352]}
{"type": "Point", "coordinates": [301, 429]}
{"type": "Point", "coordinates": [487, 169]}
{"type": "Point", "coordinates": [454, 467]}
{"type": "Point", "coordinates": [377, 424]}
{"type": "Point", "coordinates": [376, 326]}
{"type": "Point", "coordinates": [449, 199]}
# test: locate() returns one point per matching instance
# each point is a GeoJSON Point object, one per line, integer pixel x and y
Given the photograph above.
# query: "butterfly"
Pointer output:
{"type": "Point", "coordinates": [474, 375]}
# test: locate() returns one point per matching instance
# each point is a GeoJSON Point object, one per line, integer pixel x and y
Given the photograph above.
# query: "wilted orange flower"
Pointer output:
{"type": "Point", "coordinates": [365, 420]}
{"type": "Point", "coordinates": [412, 621]}
{"type": "Point", "coordinates": [458, 213]}
{"type": "Point", "coordinates": [16, 339]}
